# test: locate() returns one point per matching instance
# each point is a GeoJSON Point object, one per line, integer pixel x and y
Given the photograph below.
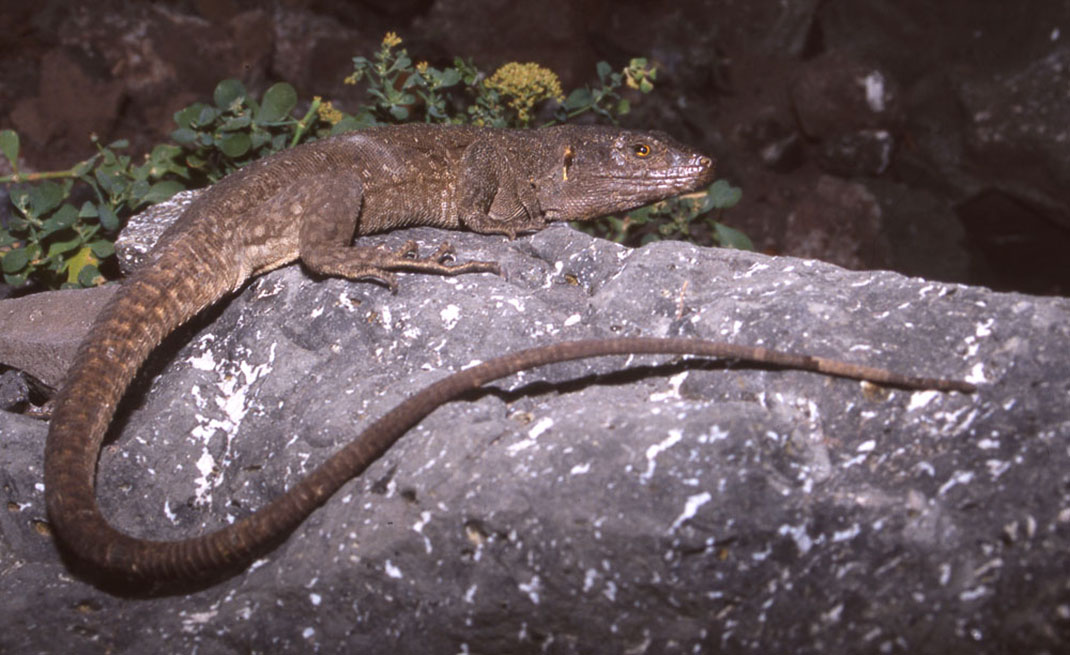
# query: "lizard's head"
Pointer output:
{"type": "Point", "coordinates": [601, 170]}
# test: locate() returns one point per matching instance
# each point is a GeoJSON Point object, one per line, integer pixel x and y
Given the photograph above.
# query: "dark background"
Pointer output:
{"type": "Point", "coordinates": [954, 168]}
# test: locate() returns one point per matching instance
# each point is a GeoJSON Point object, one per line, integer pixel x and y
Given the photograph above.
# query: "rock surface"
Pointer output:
{"type": "Point", "coordinates": [624, 505]}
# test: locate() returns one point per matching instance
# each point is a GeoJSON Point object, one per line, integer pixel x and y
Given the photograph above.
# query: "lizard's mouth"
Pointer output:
{"type": "Point", "coordinates": [607, 192]}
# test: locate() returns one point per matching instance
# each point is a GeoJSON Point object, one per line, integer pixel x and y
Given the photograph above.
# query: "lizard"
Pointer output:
{"type": "Point", "coordinates": [312, 203]}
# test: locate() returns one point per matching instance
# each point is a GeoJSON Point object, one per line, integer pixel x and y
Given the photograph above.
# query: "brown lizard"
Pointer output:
{"type": "Point", "coordinates": [308, 204]}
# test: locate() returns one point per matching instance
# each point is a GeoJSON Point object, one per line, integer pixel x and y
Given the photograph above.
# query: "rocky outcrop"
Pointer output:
{"type": "Point", "coordinates": [633, 505]}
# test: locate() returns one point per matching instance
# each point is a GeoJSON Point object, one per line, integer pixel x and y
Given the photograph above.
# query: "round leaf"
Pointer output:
{"type": "Point", "coordinates": [205, 116]}
{"type": "Point", "coordinates": [229, 94]}
{"type": "Point", "coordinates": [235, 144]}
{"type": "Point", "coordinates": [603, 69]}
{"type": "Point", "coordinates": [184, 135]}
{"type": "Point", "coordinates": [724, 194]}
{"type": "Point", "coordinates": [184, 117]}
{"type": "Point", "coordinates": [89, 275]}
{"type": "Point", "coordinates": [732, 238]}
{"type": "Point", "coordinates": [45, 197]}
{"type": "Point", "coordinates": [277, 103]}
{"type": "Point", "coordinates": [578, 98]}
{"type": "Point", "coordinates": [15, 260]}
{"type": "Point", "coordinates": [162, 191]}
{"type": "Point", "coordinates": [108, 220]}
{"type": "Point", "coordinates": [102, 248]}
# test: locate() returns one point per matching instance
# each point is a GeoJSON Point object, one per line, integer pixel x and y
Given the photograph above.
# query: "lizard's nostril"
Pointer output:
{"type": "Point", "coordinates": [705, 161]}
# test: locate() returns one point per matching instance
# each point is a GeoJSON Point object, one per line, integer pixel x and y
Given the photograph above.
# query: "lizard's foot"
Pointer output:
{"type": "Point", "coordinates": [441, 261]}
{"type": "Point", "coordinates": [378, 264]}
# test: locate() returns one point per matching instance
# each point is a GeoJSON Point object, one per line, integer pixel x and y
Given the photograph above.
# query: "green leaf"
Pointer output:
{"type": "Point", "coordinates": [111, 180]}
{"type": "Point", "coordinates": [401, 63]}
{"type": "Point", "coordinates": [20, 197]}
{"type": "Point", "coordinates": [229, 95]}
{"type": "Point", "coordinates": [15, 260]}
{"type": "Point", "coordinates": [603, 69]}
{"type": "Point", "coordinates": [732, 238]}
{"type": "Point", "coordinates": [578, 98]}
{"type": "Point", "coordinates": [88, 210]}
{"type": "Point", "coordinates": [108, 220]}
{"type": "Point", "coordinates": [206, 116]}
{"type": "Point", "coordinates": [184, 135]}
{"type": "Point", "coordinates": [399, 112]}
{"type": "Point", "coordinates": [64, 217]}
{"type": "Point", "coordinates": [166, 158]}
{"type": "Point", "coordinates": [138, 190]}
{"type": "Point", "coordinates": [724, 194]}
{"type": "Point", "coordinates": [45, 197]}
{"type": "Point", "coordinates": [82, 168]}
{"type": "Point", "coordinates": [235, 144]}
{"type": "Point", "coordinates": [89, 276]}
{"type": "Point", "coordinates": [277, 103]}
{"type": "Point", "coordinates": [161, 191]}
{"type": "Point", "coordinates": [260, 138]}
{"type": "Point", "coordinates": [448, 77]}
{"type": "Point", "coordinates": [102, 248]}
{"type": "Point", "coordinates": [184, 117]}
{"type": "Point", "coordinates": [121, 143]}
{"type": "Point", "coordinates": [236, 123]}
{"type": "Point", "coordinates": [9, 145]}
{"type": "Point", "coordinates": [14, 280]}
{"type": "Point", "coordinates": [59, 247]}
{"type": "Point", "coordinates": [358, 122]}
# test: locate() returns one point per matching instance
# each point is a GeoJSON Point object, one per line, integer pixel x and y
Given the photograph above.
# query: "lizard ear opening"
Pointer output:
{"type": "Point", "coordinates": [570, 154]}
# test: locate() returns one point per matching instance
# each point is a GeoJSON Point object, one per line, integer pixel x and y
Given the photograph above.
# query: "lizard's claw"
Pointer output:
{"type": "Point", "coordinates": [408, 251]}
{"type": "Point", "coordinates": [444, 252]}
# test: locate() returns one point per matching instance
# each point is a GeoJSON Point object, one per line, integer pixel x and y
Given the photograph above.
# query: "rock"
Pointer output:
{"type": "Point", "coordinates": [616, 505]}
{"type": "Point", "coordinates": [1018, 138]}
{"type": "Point", "coordinates": [40, 333]}
{"type": "Point", "coordinates": [70, 105]}
{"type": "Point", "coordinates": [839, 219]}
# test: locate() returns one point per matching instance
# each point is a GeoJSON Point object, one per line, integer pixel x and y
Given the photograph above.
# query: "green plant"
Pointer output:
{"type": "Point", "coordinates": [65, 222]}
{"type": "Point", "coordinates": [604, 99]}
{"type": "Point", "coordinates": [61, 244]}
{"type": "Point", "coordinates": [690, 217]}
{"type": "Point", "coordinates": [236, 129]}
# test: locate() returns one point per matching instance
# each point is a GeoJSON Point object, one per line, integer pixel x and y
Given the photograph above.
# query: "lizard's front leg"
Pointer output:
{"type": "Point", "coordinates": [328, 224]}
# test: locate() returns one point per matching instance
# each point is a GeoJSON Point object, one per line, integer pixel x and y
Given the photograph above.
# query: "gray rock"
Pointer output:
{"type": "Point", "coordinates": [619, 505]}
{"type": "Point", "coordinates": [40, 333]}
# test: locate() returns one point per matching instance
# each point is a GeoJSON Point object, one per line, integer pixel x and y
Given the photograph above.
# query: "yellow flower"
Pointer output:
{"type": "Point", "coordinates": [327, 112]}
{"type": "Point", "coordinates": [527, 84]}
{"type": "Point", "coordinates": [391, 40]}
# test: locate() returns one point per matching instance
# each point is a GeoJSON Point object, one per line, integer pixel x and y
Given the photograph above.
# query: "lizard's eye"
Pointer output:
{"type": "Point", "coordinates": [641, 150]}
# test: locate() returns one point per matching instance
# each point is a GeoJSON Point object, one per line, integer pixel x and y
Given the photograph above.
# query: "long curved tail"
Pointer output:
{"type": "Point", "coordinates": [119, 344]}
{"type": "Point", "coordinates": [148, 306]}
